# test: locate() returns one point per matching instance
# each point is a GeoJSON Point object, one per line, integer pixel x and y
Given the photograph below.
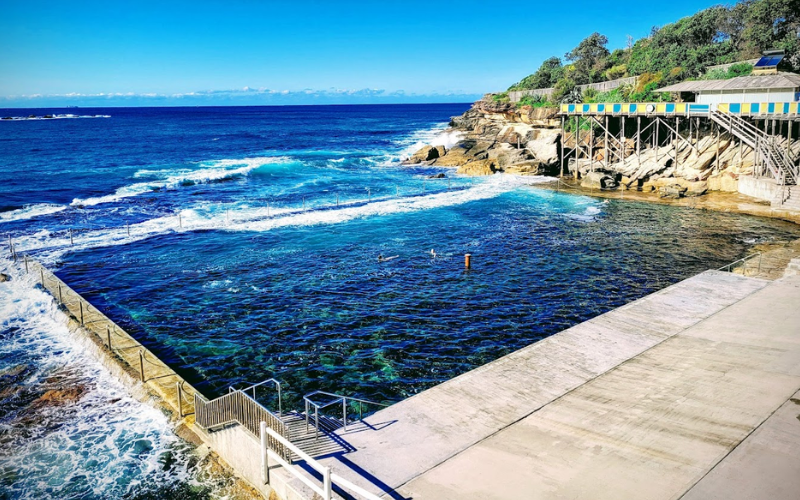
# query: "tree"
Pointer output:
{"type": "Point", "coordinates": [545, 77]}
{"type": "Point", "coordinates": [587, 56]}
{"type": "Point", "coordinates": [772, 24]}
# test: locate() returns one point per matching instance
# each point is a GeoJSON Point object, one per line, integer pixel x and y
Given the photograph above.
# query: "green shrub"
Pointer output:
{"type": "Point", "coordinates": [740, 69]}
{"type": "Point", "coordinates": [501, 97]}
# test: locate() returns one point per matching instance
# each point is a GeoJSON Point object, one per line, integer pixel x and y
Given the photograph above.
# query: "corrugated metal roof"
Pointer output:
{"type": "Point", "coordinates": [779, 81]}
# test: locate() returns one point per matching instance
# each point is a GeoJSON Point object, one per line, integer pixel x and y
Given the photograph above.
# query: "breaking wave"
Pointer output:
{"type": "Point", "coordinates": [208, 172]}
{"type": "Point", "coordinates": [30, 211]}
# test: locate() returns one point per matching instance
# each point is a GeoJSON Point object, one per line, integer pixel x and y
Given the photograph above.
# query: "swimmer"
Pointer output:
{"type": "Point", "coordinates": [380, 257]}
{"type": "Point", "coordinates": [433, 253]}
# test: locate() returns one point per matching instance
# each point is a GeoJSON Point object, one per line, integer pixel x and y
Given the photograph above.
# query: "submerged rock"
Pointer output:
{"type": "Point", "coordinates": [437, 176]}
{"type": "Point", "coordinates": [61, 396]}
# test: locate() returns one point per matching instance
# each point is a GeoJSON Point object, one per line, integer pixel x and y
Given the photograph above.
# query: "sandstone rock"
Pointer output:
{"type": "Point", "coordinates": [479, 150]}
{"type": "Point", "coordinates": [456, 157]}
{"type": "Point", "coordinates": [60, 396]}
{"type": "Point", "coordinates": [598, 180]}
{"type": "Point", "coordinates": [427, 153]}
{"type": "Point", "coordinates": [478, 167]}
{"type": "Point", "coordinates": [672, 191]}
{"type": "Point", "coordinates": [545, 147]}
{"type": "Point", "coordinates": [698, 188]}
{"type": "Point", "coordinates": [531, 167]}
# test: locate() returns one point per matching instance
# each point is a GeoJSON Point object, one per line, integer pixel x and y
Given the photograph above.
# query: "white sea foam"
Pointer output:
{"type": "Point", "coordinates": [173, 178]}
{"type": "Point", "coordinates": [106, 442]}
{"type": "Point", "coordinates": [239, 217]}
{"type": "Point", "coordinates": [439, 135]}
{"type": "Point", "coordinates": [31, 211]}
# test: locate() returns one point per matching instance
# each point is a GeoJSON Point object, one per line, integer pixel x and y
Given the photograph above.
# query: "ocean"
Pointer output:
{"type": "Point", "coordinates": [242, 243]}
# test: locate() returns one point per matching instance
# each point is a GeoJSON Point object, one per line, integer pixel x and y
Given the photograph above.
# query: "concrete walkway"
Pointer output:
{"type": "Point", "coordinates": [686, 391]}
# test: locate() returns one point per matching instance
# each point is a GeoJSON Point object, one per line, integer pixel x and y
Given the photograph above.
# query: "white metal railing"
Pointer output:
{"type": "Point", "coordinates": [743, 263]}
{"type": "Point", "coordinates": [310, 402]}
{"type": "Point", "coordinates": [774, 158]}
{"type": "Point", "coordinates": [239, 407]}
{"type": "Point", "coordinates": [324, 490]}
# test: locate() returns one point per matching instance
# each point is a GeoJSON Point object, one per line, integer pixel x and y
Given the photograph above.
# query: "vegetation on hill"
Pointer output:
{"type": "Point", "coordinates": [672, 53]}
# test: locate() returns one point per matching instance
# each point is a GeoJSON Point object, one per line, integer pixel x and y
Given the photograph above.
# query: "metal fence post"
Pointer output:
{"type": "Point", "coordinates": [326, 483]}
{"type": "Point", "coordinates": [41, 272]}
{"type": "Point", "coordinates": [344, 413]}
{"type": "Point", "coordinates": [141, 364]}
{"type": "Point", "coordinates": [80, 302]}
{"type": "Point", "coordinates": [316, 422]}
{"type": "Point", "coordinates": [60, 295]}
{"type": "Point", "coordinates": [108, 335]}
{"type": "Point", "coordinates": [26, 264]}
{"type": "Point", "coordinates": [179, 390]}
{"type": "Point", "coordinates": [264, 453]}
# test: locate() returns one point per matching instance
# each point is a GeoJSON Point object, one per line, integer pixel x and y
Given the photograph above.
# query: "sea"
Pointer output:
{"type": "Point", "coordinates": [246, 243]}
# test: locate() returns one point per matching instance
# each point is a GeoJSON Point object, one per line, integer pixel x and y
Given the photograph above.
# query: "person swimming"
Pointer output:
{"type": "Point", "coordinates": [380, 257]}
{"type": "Point", "coordinates": [433, 253]}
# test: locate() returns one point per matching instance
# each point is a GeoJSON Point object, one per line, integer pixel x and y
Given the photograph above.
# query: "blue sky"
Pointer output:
{"type": "Point", "coordinates": [303, 52]}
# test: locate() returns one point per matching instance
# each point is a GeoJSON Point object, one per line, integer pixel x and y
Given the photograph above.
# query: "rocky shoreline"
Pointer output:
{"type": "Point", "coordinates": [498, 137]}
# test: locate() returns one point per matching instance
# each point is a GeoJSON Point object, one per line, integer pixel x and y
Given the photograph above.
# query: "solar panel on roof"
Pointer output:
{"type": "Point", "coordinates": [768, 61]}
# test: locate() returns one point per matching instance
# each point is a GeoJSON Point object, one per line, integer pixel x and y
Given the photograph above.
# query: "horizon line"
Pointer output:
{"type": "Point", "coordinates": [242, 105]}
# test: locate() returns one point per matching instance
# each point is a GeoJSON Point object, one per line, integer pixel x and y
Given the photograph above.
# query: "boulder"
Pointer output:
{"type": "Point", "coordinates": [598, 180]}
{"type": "Point", "coordinates": [456, 157]}
{"type": "Point", "coordinates": [440, 175]}
{"type": "Point", "coordinates": [478, 167]}
{"type": "Point", "coordinates": [545, 147]}
{"type": "Point", "coordinates": [530, 167]}
{"type": "Point", "coordinates": [698, 188]}
{"type": "Point", "coordinates": [672, 191]}
{"type": "Point", "coordinates": [4, 277]}
{"type": "Point", "coordinates": [427, 153]}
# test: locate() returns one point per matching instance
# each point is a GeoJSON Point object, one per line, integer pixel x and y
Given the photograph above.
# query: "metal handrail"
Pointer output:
{"type": "Point", "coordinates": [253, 387]}
{"type": "Point", "coordinates": [744, 260]}
{"type": "Point", "coordinates": [239, 407]}
{"type": "Point", "coordinates": [337, 398]}
{"type": "Point", "coordinates": [780, 165]}
{"type": "Point", "coordinates": [328, 478]}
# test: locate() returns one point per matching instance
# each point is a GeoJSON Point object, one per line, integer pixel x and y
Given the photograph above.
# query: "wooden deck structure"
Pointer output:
{"type": "Point", "coordinates": [761, 126]}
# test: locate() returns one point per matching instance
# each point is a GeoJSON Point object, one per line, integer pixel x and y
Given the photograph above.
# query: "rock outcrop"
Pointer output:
{"type": "Point", "coordinates": [499, 137]}
{"type": "Point", "coordinates": [425, 155]}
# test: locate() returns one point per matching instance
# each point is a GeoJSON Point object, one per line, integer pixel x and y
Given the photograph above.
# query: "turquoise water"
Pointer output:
{"type": "Point", "coordinates": [241, 244]}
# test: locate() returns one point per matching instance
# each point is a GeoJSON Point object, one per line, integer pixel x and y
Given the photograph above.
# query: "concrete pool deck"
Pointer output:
{"type": "Point", "coordinates": [689, 392]}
